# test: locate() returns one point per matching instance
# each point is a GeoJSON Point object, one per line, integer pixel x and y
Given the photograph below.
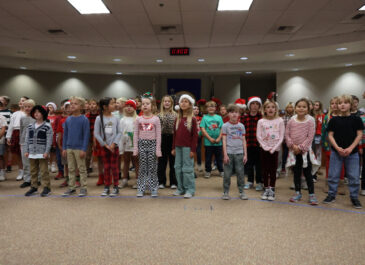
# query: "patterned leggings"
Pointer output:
{"type": "Point", "coordinates": [147, 175]}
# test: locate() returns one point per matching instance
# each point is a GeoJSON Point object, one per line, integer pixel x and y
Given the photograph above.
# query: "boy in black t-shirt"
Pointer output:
{"type": "Point", "coordinates": [345, 132]}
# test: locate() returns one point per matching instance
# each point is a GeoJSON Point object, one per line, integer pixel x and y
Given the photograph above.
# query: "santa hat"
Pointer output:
{"type": "Point", "coordinates": [185, 96]}
{"type": "Point", "coordinates": [132, 103]}
{"type": "Point", "coordinates": [216, 100]}
{"type": "Point", "coordinates": [253, 99]}
{"type": "Point", "coordinates": [66, 103]}
{"type": "Point", "coordinates": [271, 95]}
{"type": "Point", "coordinates": [52, 104]}
{"type": "Point", "coordinates": [201, 101]}
{"type": "Point", "coordinates": [240, 102]}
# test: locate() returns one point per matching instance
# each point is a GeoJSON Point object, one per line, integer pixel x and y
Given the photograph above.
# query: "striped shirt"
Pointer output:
{"type": "Point", "coordinates": [148, 129]}
{"type": "Point", "coordinates": [7, 114]}
{"type": "Point", "coordinates": [300, 133]}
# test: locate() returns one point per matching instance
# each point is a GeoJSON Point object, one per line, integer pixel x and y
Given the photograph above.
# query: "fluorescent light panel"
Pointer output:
{"type": "Point", "coordinates": [362, 8]}
{"type": "Point", "coordinates": [243, 58]}
{"type": "Point", "coordinates": [89, 6]}
{"type": "Point", "coordinates": [234, 5]}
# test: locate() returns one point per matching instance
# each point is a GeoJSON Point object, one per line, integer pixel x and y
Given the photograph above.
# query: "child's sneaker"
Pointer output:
{"type": "Point", "coordinates": [25, 184]}
{"type": "Point", "coordinates": [83, 192]}
{"type": "Point", "coordinates": [243, 196]}
{"type": "Point", "coordinates": [259, 187]}
{"type": "Point", "coordinates": [20, 175]}
{"type": "Point", "coordinates": [362, 193]}
{"type": "Point", "coordinates": [161, 186]}
{"type": "Point", "coordinates": [222, 174]}
{"type": "Point", "coordinates": [356, 203]}
{"type": "Point", "coordinates": [32, 191]}
{"type": "Point", "coordinates": [59, 176]}
{"type": "Point", "coordinates": [154, 193]}
{"type": "Point", "coordinates": [134, 186]}
{"type": "Point", "coordinates": [329, 199]}
{"type": "Point", "coordinates": [69, 192]}
{"type": "Point", "coordinates": [313, 199]}
{"type": "Point", "coordinates": [248, 186]}
{"type": "Point", "coordinates": [271, 196]}
{"type": "Point", "coordinates": [296, 197]}
{"type": "Point", "coordinates": [207, 175]}
{"type": "Point", "coordinates": [266, 194]}
{"type": "Point", "coordinates": [100, 180]}
{"type": "Point", "coordinates": [139, 194]}
{"type": "Point", "coordinates": [173, 186]}
{"type": "Point", "coordinates": [178, 193]}
{"type": "Point", "coordinates": [46, 191]}
{"type": "Point", "coordinates": [188, 195]}
{"type": "Point", "coordinates": [77, 184]}
{"type": "Point", "coordinates": [115, 191]}
{"type": "Point", "coordinates": [64, 184]}
{"type": "Point", "coordinates": [123, 183]}
{"type": "Point", "coordinates": [226, 196]}
{"type": "Point", "coordinates": [105, 192]}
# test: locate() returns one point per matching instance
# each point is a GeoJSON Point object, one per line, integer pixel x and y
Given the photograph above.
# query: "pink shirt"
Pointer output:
{"type": "Point", "coordinates": [270, 133]}
{"type": "Point", "coordinates": [148, 129]}
{"type": "Point", "coordinates": [300, 133]}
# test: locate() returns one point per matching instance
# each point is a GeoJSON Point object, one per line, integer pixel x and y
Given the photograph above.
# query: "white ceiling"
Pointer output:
{"type": "Point", "coordinates": [221, 38]}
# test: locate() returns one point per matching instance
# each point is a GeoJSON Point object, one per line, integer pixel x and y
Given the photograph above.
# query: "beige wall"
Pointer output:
{"type": "Point", "coordinates": [321, 84]}
{"type": "Point", "coordinates": [53, 86]}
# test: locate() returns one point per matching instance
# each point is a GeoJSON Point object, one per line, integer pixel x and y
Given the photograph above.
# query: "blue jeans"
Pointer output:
{"type": "Point", "coordinates": [235, 165]}
{"type": "Point", "coordinates": [352, 169]}
{"type": "Point", "coordinates": [184, 170]}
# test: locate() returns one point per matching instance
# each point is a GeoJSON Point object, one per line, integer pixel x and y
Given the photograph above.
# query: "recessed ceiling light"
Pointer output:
{"type": "Point", "coordinates": [234, 5]}
{"type": "Point", "coordinates": [23, 67]}
{"type": "Point", "coordinates": [341, 49]}
{"type": "Point", "coordinates": [243, 58]}
{"type": "Point", "coordinates": [201, 60]}
{"type": "Point", "coordinates": [73, 71]}
{"type": "Point", "coordinates": [362, 8]}
{"type": "Point", "coordinates": [89, 6]}
{"type": "Point", "coordinates": [248, 73]}
{"type": "Point", "coordinates": [71, 57]}
{"type": "Point", "coordinates": [117, 60]}
{"type": "Point", "coordinates": [290, 55]}
{"type": "Point", "coordinates": [348, 64]}
{"type": "Point", "coordinates": [159, 60]}
{"type": "Point", "coordinates": [295, 69]}
{"type": "Point", "coordinates": [118, 73]}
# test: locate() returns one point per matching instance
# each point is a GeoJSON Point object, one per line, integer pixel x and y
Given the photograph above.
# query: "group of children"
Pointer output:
{"type": "Point", "coordinates": [255, 142]}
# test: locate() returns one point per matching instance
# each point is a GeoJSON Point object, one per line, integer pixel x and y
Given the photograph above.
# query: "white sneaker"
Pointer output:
{"type": "Point", "coordinates": [20, 176]}
{"type": "Point", "coordinates": [53, 167]}
{"type": "Point", "coordinates": [123, 183]}
{"type": "Point", "coordinates": [173, 187]}
{"type": "Point", "coordinates": [200, 168]}
{"type": "Point", "coordinates": [222, 174]}
{"type": "Point", "coordinates": [188, 195]}
{"type": "Point", "coordinates": [207, 175]}
{"type": "Point", "coordinates": [362, 193]}
{"type": "Point", "coordinates": [161, 186]}
{"type": "Point", "coordinates": [2, 175]}
{"type": "Point", "coordinates": [214, 168]}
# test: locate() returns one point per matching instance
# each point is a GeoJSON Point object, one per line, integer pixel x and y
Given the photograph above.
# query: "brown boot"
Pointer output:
{"type": "Point", "coordinates": [325, 187]}
{"type": "Point", "coordinates": [341, 187]}
{"type": "Point", "coordinates": [100, 180]}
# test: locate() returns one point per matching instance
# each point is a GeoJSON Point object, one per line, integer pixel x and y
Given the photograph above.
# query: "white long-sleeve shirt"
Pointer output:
{"type": "Point", "coordinates": [14, 123]}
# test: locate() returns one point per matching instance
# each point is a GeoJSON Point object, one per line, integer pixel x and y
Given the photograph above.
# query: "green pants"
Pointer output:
{"type": "Point", "coordinates": [184, 170]}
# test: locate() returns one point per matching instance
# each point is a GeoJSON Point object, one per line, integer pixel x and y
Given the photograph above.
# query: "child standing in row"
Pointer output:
{"type": "Point", "coordinates": [25, 121]}
{"type": "Point", "coordinates": [126, 142]}
{"type": "Point", "coordinates": [319, 117]}
{"type": "Point", "coordinates": [53, 119]}
{"type": "Point", "coordinates": [147, 145]}
{"type": "Point", "coordinates": [345, 133]}
{"type": "Point", "coordinates": [299, 136]}
{"type": "Point", "coordinates": [167, 118]}
{"type": "Point", "coordinates": [270, 134]}
{"type": "Point", "coordinates": [38, 142]}
{"type": "Point", "coordinates": [199, 145]}
{"type": "Point", "coordinates": [75, 140]}
{"type": "Point", "coordinates": [107, 133]}
{"type": "Point", "coordinates": [235, 152]}
{"type": "Point", "coordinates": [184, 146]}
{"type": "Point", "coordinates": [91, 115]}
{"type": "Point", "coordinates": [211, 126]}
{"type": "Point", "coordinates": [253, 150]}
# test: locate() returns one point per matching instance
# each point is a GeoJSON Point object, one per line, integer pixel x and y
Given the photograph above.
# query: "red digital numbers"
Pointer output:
{"type": "Point", "coordinates": [179, 51]}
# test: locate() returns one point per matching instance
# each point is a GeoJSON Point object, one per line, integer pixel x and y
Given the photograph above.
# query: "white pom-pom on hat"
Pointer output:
{"type": "Point", "coordinates": [177, 107]}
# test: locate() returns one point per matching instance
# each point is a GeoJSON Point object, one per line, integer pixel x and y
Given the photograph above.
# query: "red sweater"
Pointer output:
{"type": "Point", "coordinates": [319, 121]}
{"type": "Point", "coordinates": [185, 138]}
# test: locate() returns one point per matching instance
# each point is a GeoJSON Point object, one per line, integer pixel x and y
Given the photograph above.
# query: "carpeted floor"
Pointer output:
{"type": "Point", "coordinates": [170, 230]}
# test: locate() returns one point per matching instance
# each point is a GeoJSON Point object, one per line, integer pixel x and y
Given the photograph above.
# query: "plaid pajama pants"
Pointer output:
{"type": "Point", "coordinates": [147, 175]}
{"type": "Point", "coordinates": [111, 167]}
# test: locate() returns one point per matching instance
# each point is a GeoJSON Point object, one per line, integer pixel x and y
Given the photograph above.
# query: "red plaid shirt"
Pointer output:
{"type": "Point", "coordinates": [250, 123]}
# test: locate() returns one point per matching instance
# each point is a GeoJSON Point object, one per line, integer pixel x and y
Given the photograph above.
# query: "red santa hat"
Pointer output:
{"type": "Point", "coordinates": [52, 104]}
{"type": "Point", "coordinates": [216, 100]}
{"type": "Point", "coordinates": [131, 102]}
{"type": "Point", "coordinates": [185, 96]}
{"type": "Point", "coordinates": [253, 99]}
{"type": "Point", "coordinates": [67, 103]}
{"type": "Point", "coordinates": [240, 102]}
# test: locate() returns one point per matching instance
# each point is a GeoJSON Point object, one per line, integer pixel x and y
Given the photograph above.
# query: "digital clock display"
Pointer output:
{"type": "Point", "coordinates": [180, 51]}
